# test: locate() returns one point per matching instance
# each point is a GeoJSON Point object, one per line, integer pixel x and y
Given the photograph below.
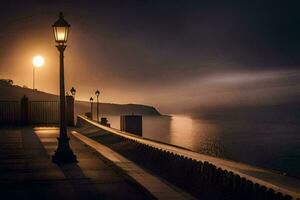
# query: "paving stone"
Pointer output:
{"type": "Point", "coordinates": [27, 172]}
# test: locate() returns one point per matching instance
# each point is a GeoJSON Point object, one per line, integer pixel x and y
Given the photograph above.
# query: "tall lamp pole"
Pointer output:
{"type": "Point", "coordinates": [97, 93]}
{"type": "Point", "coordinates": [64, 153]}
{"type": "Point", "coordinates": [91, 100]}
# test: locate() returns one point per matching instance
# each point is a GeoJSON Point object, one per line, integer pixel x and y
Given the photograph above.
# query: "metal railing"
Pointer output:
{"type": "Point", "coordinates": [26, 112]}
{"type": "Point", "coordinates": [9, 112]}
{"type": "Point", "coordinates": [43, 112]}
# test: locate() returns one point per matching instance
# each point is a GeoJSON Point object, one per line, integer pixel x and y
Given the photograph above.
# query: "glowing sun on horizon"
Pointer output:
{"type": "Point", "coordinates": [38, 61]}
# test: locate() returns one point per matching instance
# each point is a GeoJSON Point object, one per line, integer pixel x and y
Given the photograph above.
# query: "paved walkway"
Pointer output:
{"type": "Point", "coordinates": [156, 186]}
{"type": "Point", "coordinates": [271, 179]}
{"type": "Point", "coordinates": [26, 170]}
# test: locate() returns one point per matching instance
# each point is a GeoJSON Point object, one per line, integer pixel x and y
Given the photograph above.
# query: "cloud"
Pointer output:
{"type": "Point", "coordinates": [235, 89]}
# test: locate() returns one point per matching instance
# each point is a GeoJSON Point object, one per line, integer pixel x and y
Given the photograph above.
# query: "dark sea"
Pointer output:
{"type": "Point", "coordinates": [260, 140]}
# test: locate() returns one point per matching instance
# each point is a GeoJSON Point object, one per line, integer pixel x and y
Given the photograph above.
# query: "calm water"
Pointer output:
{"type": "Point", "coordinates": [267, 144]}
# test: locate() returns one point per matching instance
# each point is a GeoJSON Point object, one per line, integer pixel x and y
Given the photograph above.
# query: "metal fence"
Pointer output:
{"type": "Point", "coordinates": [9, 112]}
{"type": "Point", "coordinates": [43, 112]}
{"type": "Point", "coordinates": [26, 112]}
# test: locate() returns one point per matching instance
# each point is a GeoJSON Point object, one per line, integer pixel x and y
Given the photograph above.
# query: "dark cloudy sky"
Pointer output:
{"type": "Point", "coordinates": [175, 55]}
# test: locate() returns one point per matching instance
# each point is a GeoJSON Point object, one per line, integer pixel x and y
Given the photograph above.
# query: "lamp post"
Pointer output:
{"type": "Point", "coordinates": [64, 153]}
{"type": "Point", "coordinates": [73, 91]}
{"type": "Point", "coordinates": [97, 93]}
{"type": "Point", "coordinates": [91, 100]}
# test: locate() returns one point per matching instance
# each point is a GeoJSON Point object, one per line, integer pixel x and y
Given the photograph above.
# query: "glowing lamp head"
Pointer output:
{"type": "Point", "coordinates": [97, 93]}
{"type": "Point", "coordinates": [91, 99]}
{"type": "Point", "coordinates": [73, 91]}
{"type": "Point", "coordinates": [61, 30]}
{"type": "Point", "coordinates": [38, 61]}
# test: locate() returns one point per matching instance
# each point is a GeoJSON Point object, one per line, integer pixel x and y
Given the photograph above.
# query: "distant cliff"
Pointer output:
{"type": "Point", "coordinates": [9, 92]}
{"type": "Point", "coordinates": [116, 109]}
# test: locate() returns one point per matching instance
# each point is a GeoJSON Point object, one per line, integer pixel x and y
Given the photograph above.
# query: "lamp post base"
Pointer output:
{"type": "Point", "coordinates": [64, 154]}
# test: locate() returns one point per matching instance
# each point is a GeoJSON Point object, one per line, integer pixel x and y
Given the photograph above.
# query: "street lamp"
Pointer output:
{"type": "Point", "coordinates": [38, 62]}
{"type": "Point", "coordinates": [91, 100]}
{"type": "Point", "coordinates": [73, 91]}
{"type": "Point", "coordinates": [64, 153]}
{"type": "Point", "coordinates": [97, 93]}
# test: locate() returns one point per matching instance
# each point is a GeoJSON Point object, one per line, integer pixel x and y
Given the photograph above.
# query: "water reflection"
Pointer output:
{"type": "Point", "coordinates": [196, 134]}
{"type": "Point", "coordinates": [181, 131]}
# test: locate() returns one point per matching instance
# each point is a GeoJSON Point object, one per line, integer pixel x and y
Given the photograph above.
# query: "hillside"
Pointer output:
{"type": "Point", "coordinates": [117, 109]}
{"type": "Point", "coordinates": [9, 92]}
